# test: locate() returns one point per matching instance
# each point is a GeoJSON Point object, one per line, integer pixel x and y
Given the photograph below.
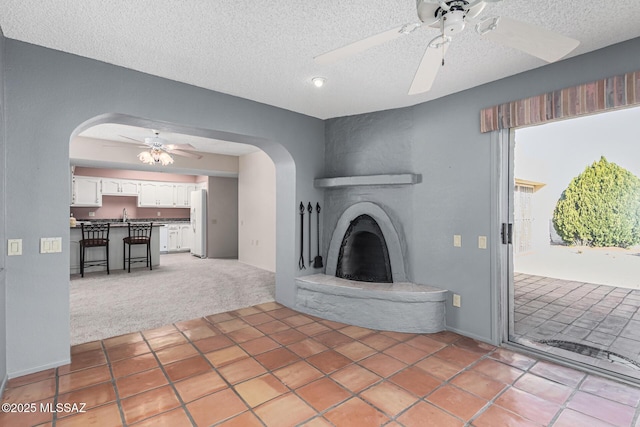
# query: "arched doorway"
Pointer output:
{"type": "Point", "coordinates": [96, 156]}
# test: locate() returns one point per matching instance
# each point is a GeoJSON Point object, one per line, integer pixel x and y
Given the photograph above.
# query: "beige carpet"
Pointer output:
{"type": "Point", "coordinates": [183, 287]}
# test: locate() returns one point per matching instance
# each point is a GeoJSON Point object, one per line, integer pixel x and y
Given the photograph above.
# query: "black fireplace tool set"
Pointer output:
{"type": "Point", "coordinates": [317, 261]}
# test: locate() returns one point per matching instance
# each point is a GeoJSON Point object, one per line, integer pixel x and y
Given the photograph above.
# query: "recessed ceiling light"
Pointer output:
{"type": "Point", "coordinates": [318, 81]}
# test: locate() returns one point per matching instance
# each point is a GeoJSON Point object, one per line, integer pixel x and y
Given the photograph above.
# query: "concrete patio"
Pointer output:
{"type": "Point", "coordinates": [601, 316]}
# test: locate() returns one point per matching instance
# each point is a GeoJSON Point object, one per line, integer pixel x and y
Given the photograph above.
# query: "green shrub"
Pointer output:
{"type": "Point", "coordinates": [600, 207]}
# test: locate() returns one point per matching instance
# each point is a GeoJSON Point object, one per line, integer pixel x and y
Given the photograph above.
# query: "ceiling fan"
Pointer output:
{"type": "Point", "coordinates": [451, 17]}
{"type": "Point", "coordinates": [157, 146]}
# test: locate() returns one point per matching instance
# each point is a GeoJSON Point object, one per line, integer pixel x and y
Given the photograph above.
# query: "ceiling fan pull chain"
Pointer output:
{"type": "Point", "coordinates": [442, 32]}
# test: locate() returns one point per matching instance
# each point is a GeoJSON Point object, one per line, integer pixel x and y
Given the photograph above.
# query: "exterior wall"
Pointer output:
{"type": "Point", "coordinates": [442, 141]}
{"type": "Point", "coordinates": [50, 97]}
{"type": "Point", "coordinates": [222, 215]}
{"type": "Point", "coordinates": [257, 211]}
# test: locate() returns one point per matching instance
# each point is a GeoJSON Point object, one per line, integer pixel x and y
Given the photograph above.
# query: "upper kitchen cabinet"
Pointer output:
{"type": "Point", "coordinates": [86, 191]}
{"type": "Point", "coordinates": [183, 195]}
{"type": "Point", "coordinates": [156, 194]}
{"type": "Point", "coordinates": [119, 187]}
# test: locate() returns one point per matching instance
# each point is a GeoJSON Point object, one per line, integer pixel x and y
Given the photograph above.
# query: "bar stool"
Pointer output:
{"type": "Point", "coordinates": [139, 234]}
{"type": "Point", "coordinates": [94, 236]}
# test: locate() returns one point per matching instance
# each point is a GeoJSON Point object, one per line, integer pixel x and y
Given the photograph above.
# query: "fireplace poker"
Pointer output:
{"type": "Point", "coordinates": [317, 261]}
{"type": "Point", "coordinates": [301, 261]}
{"type": "Point", "coordinates": [310, 210]}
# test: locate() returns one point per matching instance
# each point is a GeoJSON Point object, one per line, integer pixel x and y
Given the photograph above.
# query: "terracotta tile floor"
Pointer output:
{"type": "Point", "coordinates": [271, 366]}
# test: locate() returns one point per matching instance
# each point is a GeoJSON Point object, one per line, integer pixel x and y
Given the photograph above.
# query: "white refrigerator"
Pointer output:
{"type": "Point", "coordinates": [199, 223]}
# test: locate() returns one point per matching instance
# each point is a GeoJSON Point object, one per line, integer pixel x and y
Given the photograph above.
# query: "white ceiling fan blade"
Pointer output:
{"type": "Point", "coordinates": [531, 39]}
{"type": "Point", "coordinates": [133, 139]}
{"type": "Point", "coordinates": [180, 146]}
{"type": "Point", "coordinates": [184, 154]}
{"type": "Point", "coordinates": [364, 44]}
{"type": "Point", "coordinates": [428, 69]}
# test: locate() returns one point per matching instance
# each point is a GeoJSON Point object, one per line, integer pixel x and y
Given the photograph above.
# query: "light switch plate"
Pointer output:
{"type": "Point", "coordinates": [482, 242]}
{"type": "Point", "coordinates": [50, 245]}
{"type": "Point", "coordinates": [457, 240]}
{"type": "Point", "coordinates": [456, 300]}
{"type": "Point", "coordinates": [14, 247]}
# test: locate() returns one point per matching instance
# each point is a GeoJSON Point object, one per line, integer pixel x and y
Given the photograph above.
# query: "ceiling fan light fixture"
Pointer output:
{"type": "Point", "coordinates": [155, 156]}
{"type": "Point", "coordinates": [318, 81]}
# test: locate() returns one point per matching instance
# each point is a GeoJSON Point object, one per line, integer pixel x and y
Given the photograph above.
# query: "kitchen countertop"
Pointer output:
{"type": "Point", "coordinates": [122, 224]}
{"type": "Point", "coordinates": [118, 224]}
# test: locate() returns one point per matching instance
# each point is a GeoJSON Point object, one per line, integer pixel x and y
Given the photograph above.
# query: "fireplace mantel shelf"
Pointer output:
{"type": "Point", "coordinates": [385, 179]}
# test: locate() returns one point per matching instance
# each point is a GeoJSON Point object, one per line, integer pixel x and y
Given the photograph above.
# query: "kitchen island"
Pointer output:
{"type": "Point", "coordinates": [117, 232]}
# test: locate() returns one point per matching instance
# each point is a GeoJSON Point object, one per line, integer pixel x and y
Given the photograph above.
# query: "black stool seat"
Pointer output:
{"type": "Point", "coordinates": [94, 236]}
{"type": "Point", "coordinates": [139, 234]}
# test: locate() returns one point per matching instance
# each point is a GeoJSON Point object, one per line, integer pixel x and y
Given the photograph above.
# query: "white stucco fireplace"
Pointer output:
{"type": "Point", "coordinates": [394, 305]}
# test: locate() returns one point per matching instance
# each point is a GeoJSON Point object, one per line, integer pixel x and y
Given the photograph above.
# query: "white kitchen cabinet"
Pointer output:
{"type": "Point", "coordinates": [164, 192]}
{"type": "Point", "coordinates": [147, 196]}
{"type": "Point", "coordinates": [129, 187]}
{"type": "Point", "coordinates": [179, 237]}
{"type": "Point", "coordinates": [156, 194]}
{"type": "Point", "coordinates": [185, 237]}
{"type": "Point", "coordinates": [119, 187]}
{"type": "Point", "coordinates": [183, 195]}
{"type": "Point", "coordinates": [173, 242]}
{"type": "Point", "coordinates": [163, 236]}
{"type": "Point", "coordinates": [86, 191]}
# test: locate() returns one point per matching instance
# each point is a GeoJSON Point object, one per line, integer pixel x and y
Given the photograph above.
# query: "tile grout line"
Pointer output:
{"type": "Point", "coordinates": [229, 385]}
{"type": "Point", "coordinates": [113, 383]}
{"type": "Point", "coordinates": [55, 399]}
{"type": "Point", "coordinates": [171, 384]}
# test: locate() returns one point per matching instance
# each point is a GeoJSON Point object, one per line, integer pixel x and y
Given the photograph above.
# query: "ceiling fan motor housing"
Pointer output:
{"type": "Point", "coordinates": [451, 18]}
{"type": "Point", "coordinates": [453, 21]}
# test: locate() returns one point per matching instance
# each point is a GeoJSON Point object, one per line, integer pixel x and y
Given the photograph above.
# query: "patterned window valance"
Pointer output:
{"type": "Point", "coordinates": [607, 94]}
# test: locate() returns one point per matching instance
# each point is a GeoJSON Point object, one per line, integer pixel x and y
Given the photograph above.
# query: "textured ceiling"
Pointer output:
{"type": "Point", "coordinates": [264, 51]}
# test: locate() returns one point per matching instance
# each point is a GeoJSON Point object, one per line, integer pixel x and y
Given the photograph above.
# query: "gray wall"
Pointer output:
{"type": "Point", "coordinates": [222, 213]}
{"type": "Point", "coordinates": [3, 234]}
{"type": "Point", "coordinates": [49, 96]}
{"type": "Point", "coordinates": [442, 141]}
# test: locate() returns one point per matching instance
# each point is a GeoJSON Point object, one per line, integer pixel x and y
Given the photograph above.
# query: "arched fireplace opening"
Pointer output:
{"type": "Point", "coordinates": [364, 255]}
